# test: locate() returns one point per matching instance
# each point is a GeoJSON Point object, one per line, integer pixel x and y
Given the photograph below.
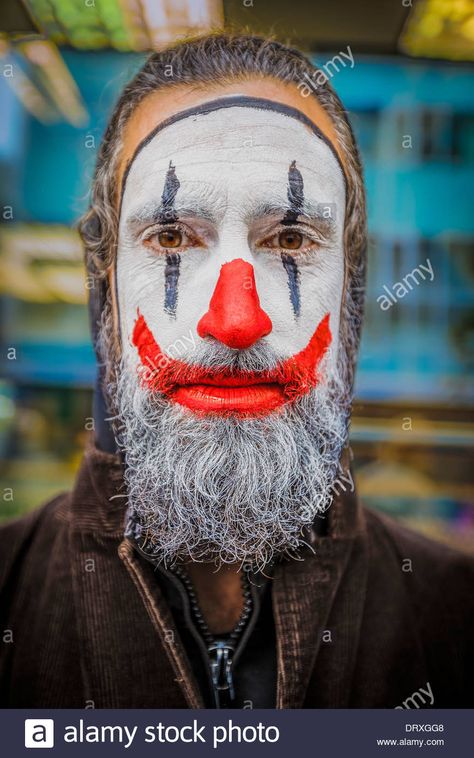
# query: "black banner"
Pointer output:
{"type": "Point", "coordinates": [367, 733]}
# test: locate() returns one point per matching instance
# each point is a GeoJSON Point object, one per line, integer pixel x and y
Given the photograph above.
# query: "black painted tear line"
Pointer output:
{"type": "Point", "coordinates": [167, 210]}
{"type": "Point", "coordinates": [291, 268]}
{"type": "Point", "coordinates": [173, 261]}
{"type": "Point", "coordinates": [168, 215]}
{"type": "Point", "coordinates": [295, 194]}
{"type": "Point", "coordinates": [260, 103]}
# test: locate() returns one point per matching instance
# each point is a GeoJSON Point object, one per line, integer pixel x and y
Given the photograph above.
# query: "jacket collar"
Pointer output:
{"type": "Point", "coordinates": [99, 498]}
{"type": "Point", "coordinates": [304, 604]}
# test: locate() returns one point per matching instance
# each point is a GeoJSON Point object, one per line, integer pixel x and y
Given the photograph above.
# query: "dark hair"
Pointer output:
{"type": "Point", "coordinates": [221, 58]}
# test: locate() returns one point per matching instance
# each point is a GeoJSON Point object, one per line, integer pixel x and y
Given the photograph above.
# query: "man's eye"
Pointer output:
{"type": "Point", "coordinates": [290, 240]}
{"type": "Point", "coordinates": [170, 238]}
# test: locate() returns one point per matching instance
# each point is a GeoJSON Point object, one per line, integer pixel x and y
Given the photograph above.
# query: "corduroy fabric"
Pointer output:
{"type": "Point", "coordinates": [84, 622]}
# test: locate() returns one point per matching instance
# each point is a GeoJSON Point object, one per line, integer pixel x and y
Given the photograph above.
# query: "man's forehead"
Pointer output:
{"type": "Point", "coordinates": [161, 107]}
{"type": "Point", "coordinates": [241, 193]}
{"type": "Point", "coordinates": [232, 140]}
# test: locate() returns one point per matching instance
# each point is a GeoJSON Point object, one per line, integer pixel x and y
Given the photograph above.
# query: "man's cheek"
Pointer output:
{"type": "Point", "coordinates": [171, 306]}
{"type": "Point", "coordinates": [315, 288]}
{"type": "Point", "coordinates": [322, 288]}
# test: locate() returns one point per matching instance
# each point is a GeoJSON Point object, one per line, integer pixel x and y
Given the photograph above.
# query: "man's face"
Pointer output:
{"type": "Point", "coordinates": [229, 279]}
{"type": "Point", "coordinates": [231, 240]}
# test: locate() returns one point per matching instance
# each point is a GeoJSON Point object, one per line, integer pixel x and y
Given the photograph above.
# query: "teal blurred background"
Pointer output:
{"type": "Point", "coordinates": [413, 422]}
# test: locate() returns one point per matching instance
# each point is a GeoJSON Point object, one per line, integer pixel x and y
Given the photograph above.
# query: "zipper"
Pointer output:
{"type": "Point", "coordinates": [220, 649]}
{"type": "Point", "coordinates": [221, 673]}
{"type": "Point", "coordinates": [220, 655]}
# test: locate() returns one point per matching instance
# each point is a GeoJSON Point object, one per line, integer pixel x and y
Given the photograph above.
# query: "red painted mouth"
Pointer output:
{"type": "Point", "coordinates": [205, 390]}
{"type": "Point", "coordinates": [250, 399]}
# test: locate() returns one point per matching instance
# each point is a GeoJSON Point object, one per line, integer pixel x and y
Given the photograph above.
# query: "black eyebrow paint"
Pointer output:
{"type": "Point", "coordinates": [295, 194]}
{"type": "Point", "coordinates": [168, 215]}
{"type": "Point", "coordinates": [167, 210]}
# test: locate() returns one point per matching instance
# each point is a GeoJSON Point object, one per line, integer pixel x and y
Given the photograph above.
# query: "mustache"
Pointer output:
{"type": "Point", "coordinates": [216, 365]}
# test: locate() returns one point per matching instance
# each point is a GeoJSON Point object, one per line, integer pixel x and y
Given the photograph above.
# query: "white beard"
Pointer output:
{"type": "Point", "coordinates": [227, 489]}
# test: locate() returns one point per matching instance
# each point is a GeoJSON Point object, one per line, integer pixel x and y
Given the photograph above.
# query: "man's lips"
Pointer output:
{"type": "Point", "coordinates": [240, 392]}
{"type": "Point", "coordinates": [234, 379]}
{"type": "Point", "coordinates": [250, 398]}
{"type": "Point", "coordinates": [226, 391]}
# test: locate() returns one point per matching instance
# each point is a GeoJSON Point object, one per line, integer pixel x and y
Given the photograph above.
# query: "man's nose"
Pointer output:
{"type": "Point", "coordinates": [235, 316]}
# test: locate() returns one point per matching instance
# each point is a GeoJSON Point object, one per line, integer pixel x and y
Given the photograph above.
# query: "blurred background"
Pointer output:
{"type": "Point", "coordinates": [409, 90]}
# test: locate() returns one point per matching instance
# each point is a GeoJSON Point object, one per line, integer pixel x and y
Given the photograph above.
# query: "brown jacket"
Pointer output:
{"type": "Point", "coordinates": [84, 623]}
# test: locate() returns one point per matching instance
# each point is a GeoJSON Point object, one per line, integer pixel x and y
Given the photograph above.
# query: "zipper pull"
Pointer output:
{"type": "Point", "coordinates": [220, 654]}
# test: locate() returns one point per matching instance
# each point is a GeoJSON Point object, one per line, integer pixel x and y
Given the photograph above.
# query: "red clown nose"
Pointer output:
{"type": "Point", "coordinates": [235, 316]}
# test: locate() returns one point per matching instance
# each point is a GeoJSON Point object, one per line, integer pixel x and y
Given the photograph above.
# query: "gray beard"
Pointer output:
{"type": "Point", "coordinates": [227, 489]}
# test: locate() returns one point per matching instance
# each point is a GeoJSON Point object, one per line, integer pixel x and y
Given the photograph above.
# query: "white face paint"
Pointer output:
{"type": "Point", "coordinates": [220, 185]}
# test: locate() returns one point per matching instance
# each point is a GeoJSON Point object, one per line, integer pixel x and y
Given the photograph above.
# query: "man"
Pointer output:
{"type": "Point", "coordinates": [212, 552]}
